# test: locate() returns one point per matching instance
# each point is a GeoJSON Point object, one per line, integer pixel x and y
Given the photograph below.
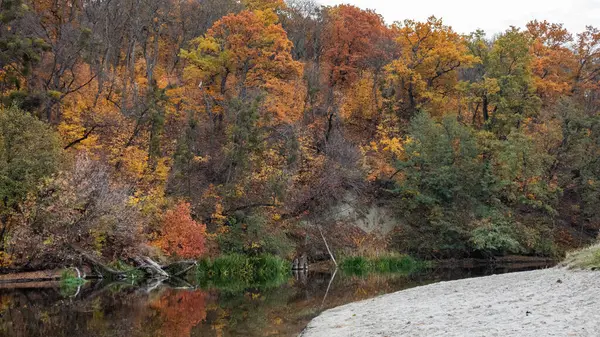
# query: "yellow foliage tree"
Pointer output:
{"type": "Point", "coordinates": [426, 73]}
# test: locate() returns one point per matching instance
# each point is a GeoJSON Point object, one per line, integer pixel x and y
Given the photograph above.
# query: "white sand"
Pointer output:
{"type": "Point", "coordinates": [487, 306]}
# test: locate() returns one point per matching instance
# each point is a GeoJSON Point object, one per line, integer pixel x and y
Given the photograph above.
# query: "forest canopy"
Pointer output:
{"type": "Point", "coordinates": [181, 128]}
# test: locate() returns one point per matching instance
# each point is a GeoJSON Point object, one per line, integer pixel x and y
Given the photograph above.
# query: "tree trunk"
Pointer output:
{"type": "Point", "coordinates": [486, 107]}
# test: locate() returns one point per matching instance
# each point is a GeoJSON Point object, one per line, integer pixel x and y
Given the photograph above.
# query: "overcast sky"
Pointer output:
{"type": "Point", "coordinates": [492, 16]}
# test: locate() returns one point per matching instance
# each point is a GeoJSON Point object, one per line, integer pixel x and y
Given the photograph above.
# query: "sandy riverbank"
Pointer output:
{"type": "Point", "coordinates": [551, 302]}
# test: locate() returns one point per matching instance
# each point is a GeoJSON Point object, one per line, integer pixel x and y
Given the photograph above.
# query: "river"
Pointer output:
{"type": "Point", "coordinates": [43, 309]}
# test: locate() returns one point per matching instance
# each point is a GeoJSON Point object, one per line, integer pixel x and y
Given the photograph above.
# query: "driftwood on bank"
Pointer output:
{"type": "Point", "coordinates": [180, 268]}
{"type": "Point", "coordinates": [100, 269]}
{"type": "Point", "coordinates": [91, 267]}
{"type": "Point", "coordinates": [150, 268]}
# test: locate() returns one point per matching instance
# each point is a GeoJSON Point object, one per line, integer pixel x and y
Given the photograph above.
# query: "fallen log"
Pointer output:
{"type": "Point", "coordinates": [150, 268]}
{"type": "Point", "coordinates": [180, 268]}
{"type": "Point", "coordinates": [101, 270]}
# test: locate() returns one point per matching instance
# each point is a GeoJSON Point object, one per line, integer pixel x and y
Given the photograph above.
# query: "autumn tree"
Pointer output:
{"type": "Point", "coordinates": [245, 52]}
{"type": "Point", "coordinates": [425, 74]}
{"type": "Point", "coordinates": [20, 51]}
{"type": "Point", "coordinates": [553, 61]}
{"type": "Point", "coordinates": [304, 23]}
{"type": "Point", "coordinates": [349, 39]}
{"type": "Point", "coordinates": [262, 5]}
{"type": "Point", "coordinates": [302, 20]}
{"type": "Point", "coordinates": [502, 87]}
{"type": "Point", "coordinates": [60, 25]}
{"type": "Point", "coordinates": [180, 235]}
{"type": "Point", "coordinates": [130, 109]}
{"type": "Point", "coordinates": [504, 101]}
{"type": "Point", "coordinates": [251, 92]}
{"type": "Point", "coordinates": [587, 72]}
{"type": "Point", "coordinates": [356, 46]}
{"type": "Point", "coordinates": [79, 210]}
{"type": "Point", "coordinates": [29, 153]}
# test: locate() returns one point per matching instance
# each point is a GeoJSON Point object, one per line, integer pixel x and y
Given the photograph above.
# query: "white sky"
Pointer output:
{"type": "Point", "coordinates": [493, 16]}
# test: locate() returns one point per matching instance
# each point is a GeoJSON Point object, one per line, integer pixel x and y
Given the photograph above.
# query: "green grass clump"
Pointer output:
{"type": "Point", "coordinates": [587, 258]}
{"type": "Point", "coordinates": [69, 283]}
{"type": "Point", "coordinates": [390, 264]}
{"type": "Point", "coordinates": [235, 272]}
{"type": "Point", "coordinates": [268, 267]}
{"type": "Point", "coordinates": [395, 264]}
{"type": "Point", "coordinates": [356, 265]}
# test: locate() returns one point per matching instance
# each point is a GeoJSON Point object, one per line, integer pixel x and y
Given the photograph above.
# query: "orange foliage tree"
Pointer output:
{"type": "Point", "coordinates": [553, 62]}
{"type": "Point", "coordinates": [356, 46]}
{"type": "Point", "coordinates": [181, 235]}
{"type": "Point", "coordinates": [351, 43]}
{"type": "Point", "coordinates": [243, 53]}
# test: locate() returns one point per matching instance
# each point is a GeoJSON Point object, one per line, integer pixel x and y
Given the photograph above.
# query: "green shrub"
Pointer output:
{"type": "Point", "coordinates": [390, 264]}
{"type": "Point", "coordinates": [395, 264]}
{"type": "Point", "coordinates": [547, 247]}
{"type": "Point", "coordinates": [495, 238]}
{"type": "Point", "coordinates": [29, 152]}
{"type": "Point", "coordinates": [356, 265]}
{"type": "Point", "coordinates": [236, 272]}
{"type": "Point", "coordinates": [435, 233]}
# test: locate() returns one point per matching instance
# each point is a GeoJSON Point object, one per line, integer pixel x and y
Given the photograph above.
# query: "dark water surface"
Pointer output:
{"type": "Point", "coordinates": [118, 310]}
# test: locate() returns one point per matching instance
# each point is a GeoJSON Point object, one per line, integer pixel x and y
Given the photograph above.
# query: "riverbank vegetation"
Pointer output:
{"type": "Point", "coordinates": [390, 264]}
{"type": "Point", "coordinates": [180, 130]}
{"type": "Point", "coordinates": [70, 282]}
{"type": "Point", "coordinates": [235, 273]}
{"type": "Point", "coordinates": [586, 258]}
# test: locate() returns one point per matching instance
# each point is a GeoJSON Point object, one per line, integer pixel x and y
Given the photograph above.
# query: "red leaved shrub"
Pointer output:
{"type": "Point", "coordinates": [182, 236]}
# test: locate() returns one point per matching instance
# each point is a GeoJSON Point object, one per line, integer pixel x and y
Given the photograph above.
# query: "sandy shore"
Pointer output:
{"type": "Point", "coordinates": [551, 302]}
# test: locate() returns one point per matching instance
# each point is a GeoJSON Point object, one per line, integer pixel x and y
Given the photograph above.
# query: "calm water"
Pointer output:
{"type": "Point", "coordinates": [119, 310]}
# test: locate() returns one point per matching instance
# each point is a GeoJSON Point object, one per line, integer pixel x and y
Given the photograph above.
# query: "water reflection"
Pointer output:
{"type": "Point", "coordinates": [122, 310]}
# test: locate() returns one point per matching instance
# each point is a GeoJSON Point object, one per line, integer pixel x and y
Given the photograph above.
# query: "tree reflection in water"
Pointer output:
{"type": "Point", "coordinates": [120, 310]}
